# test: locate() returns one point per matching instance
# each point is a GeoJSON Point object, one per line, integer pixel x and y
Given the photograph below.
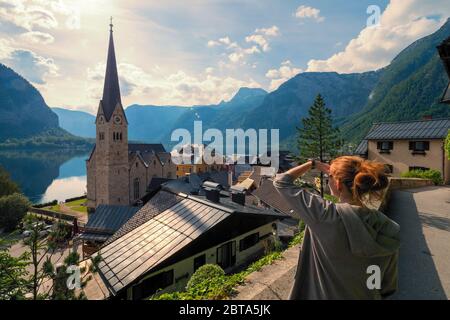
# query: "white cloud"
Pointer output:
{"type": "Point", "coordinates": [239, 53]}
{"type": "Point", "coordinates": [31, 14]}
{"type": "Point", "coordinates": [305, 12]}
{"type": "Point", "coordinates": [260, 40]}
{"type": "Point", "coordinates": [401, 23]}
{"type": "Point", "coordinates": [37, 37]}
{"type": "Point", "coordinates": [156, 87]}
{"type": "Point", "coordinates": [272, 31]}
{"type": "Point", "coordinates": [282, 74]}
{"type": "Point", "coordinates": [260, 37]}
{"type": "Point", "coordinates": [31, 66]}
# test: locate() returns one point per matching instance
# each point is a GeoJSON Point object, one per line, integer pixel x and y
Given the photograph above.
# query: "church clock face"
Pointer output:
{"type": "Point", "coordinates": [118, 120]}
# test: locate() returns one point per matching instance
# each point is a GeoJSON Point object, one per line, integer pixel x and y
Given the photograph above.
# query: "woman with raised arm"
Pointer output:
{"type": "Point", "coordinates": [349, 251]}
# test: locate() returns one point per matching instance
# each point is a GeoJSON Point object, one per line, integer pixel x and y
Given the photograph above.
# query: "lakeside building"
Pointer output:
{"type": "Point", "coordinates": [408, 145]}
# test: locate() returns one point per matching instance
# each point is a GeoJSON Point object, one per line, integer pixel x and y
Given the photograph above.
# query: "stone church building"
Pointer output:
{"type": "Point", "coordinates": [119, 172]}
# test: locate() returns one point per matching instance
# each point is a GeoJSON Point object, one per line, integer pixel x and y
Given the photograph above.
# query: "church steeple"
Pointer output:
{"type": "Point", "coordinates": [111, 89]}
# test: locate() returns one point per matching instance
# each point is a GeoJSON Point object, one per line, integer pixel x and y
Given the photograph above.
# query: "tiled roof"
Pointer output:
{"type": "Point", "coordinates": [164, 157]}
{"type": "Point", "coordinates": [423, 129]}
{"type": "Point", "coordinates": [160, 202]}
{"type": "Point", "coordinates": [108, 219]}
{"type": "Point", "coordinates": [270, 196]}
{"type": "Point", "coordinates": [146, 147]}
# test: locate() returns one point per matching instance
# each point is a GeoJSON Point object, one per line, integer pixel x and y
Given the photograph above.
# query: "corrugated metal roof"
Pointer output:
{"type": "Point", "coordinates": [424, 129]}
{"type": "Point", "coordinates": [109, 219]}
{"type": "Point", "coordinates": [140, 250]}
{"type": "Point", "coordinates": [362, 148]}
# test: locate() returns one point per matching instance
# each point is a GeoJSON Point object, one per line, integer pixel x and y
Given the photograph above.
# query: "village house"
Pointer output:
{"type": "Point", "coordinates": [408, 145]}
{"type": "Point", "coordinates": [118, 172]}
{"type": "Point", "coordinates": [174, 234]}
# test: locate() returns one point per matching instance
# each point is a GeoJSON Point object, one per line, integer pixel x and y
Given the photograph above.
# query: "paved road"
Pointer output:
{"type": "Point", "coordinates": [57, 257]}
{"type": "Point", "coordinates": [424, 267]}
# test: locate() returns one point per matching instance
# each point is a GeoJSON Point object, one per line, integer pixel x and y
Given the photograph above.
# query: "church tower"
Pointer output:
{"type": "Point", "coordinates": [108, 168]}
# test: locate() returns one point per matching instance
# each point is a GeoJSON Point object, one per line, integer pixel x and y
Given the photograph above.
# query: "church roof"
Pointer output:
{"type": "Point", "coordinates": [111, 89]}
{"type": "Point", "coordinates": [146, 147]}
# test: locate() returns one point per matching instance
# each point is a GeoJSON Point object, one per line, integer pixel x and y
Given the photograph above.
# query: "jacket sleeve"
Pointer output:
{"type": "Point", "coordinates": [311, 208]}
{"type": "Point", "coordinates": [389, 284]}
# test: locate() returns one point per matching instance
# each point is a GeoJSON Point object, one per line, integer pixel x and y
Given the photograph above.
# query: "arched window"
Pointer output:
{"type": "Point", "coordinates": [120, 136]}
{"type": "Point", "coordinates": [136, 188]}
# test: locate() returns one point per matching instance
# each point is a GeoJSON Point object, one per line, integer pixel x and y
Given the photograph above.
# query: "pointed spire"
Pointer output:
{"type": "Point", "coordinates": [111, 89]}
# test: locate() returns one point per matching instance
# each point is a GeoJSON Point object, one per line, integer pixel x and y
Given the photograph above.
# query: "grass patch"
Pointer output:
{"type": "Point", "coordinates": [76, 205]}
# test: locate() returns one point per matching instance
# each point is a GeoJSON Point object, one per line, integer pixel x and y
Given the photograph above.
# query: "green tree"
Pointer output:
{"type": "Point", "coordinates": [12, 209]}
{"type": "Point", "coordinates": [317, 138]}
{"type": "Point", "coordinates": [7, 186]}
{"type": "Point", "coordinates": [14, 281]}
{"type": "Point", "coordinates": [41, 249]}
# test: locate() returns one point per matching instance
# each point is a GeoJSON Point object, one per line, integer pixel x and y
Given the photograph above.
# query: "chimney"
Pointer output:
{"type": "Point", "coordinates": [427, 117]}
{"type": "Point", "coordinates": [212, 191]}
{"type": "Point", "coordinates": [238, 195]}
{"type": "Point", "coordinates": [230, 175]}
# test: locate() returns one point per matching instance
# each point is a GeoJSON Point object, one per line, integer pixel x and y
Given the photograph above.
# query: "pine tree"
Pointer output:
{"type": "Point", "coordinates": [317, 138]}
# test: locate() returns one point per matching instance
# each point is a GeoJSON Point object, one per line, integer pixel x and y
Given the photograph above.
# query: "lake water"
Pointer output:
{"type": "Point", "coordinates": [45, 176]}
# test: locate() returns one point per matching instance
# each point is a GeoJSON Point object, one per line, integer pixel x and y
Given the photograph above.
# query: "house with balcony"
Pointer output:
{"type": "Point", "coordinates": [408, 145]}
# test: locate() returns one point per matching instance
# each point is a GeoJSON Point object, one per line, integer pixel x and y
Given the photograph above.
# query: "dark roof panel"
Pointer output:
{"type": "Point", "coordinates": [423, 129]}
{"type": "Point", "coordinates": [109, 219]}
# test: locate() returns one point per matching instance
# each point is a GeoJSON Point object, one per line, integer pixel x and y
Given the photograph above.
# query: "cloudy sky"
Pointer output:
{"type": "Point", "coordinates": [201, 51]}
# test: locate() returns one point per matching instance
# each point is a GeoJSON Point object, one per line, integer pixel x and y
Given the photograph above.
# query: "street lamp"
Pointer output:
{"type": "Point", "coordinates": [444, 53]}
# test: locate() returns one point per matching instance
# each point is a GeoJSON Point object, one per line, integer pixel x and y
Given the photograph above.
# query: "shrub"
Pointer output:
{"type": "Point", "coordinates": [12, 209]}
{"type": "Point", "coordinates": [7, 186]}
{"type": "Point", "coordinates": [204, 274]}
{"type": "Point", "coordinates": [433, 175]}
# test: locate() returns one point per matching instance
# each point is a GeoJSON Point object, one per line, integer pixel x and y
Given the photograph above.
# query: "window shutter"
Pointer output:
{"type": "Point", "coordinates": [411, 145]}
{"type": "Point", "coordinates": [379, 145]}
{"type": "Point", "coordinates": [427, 145]}
{"type": "Point", "coordinates": [391, 145]}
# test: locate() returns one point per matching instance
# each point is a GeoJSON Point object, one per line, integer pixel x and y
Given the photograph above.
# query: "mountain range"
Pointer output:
{"type": "Point", "coordinates": [26, 121]}
{"type": "Point", "coordinates": [409, 88]}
